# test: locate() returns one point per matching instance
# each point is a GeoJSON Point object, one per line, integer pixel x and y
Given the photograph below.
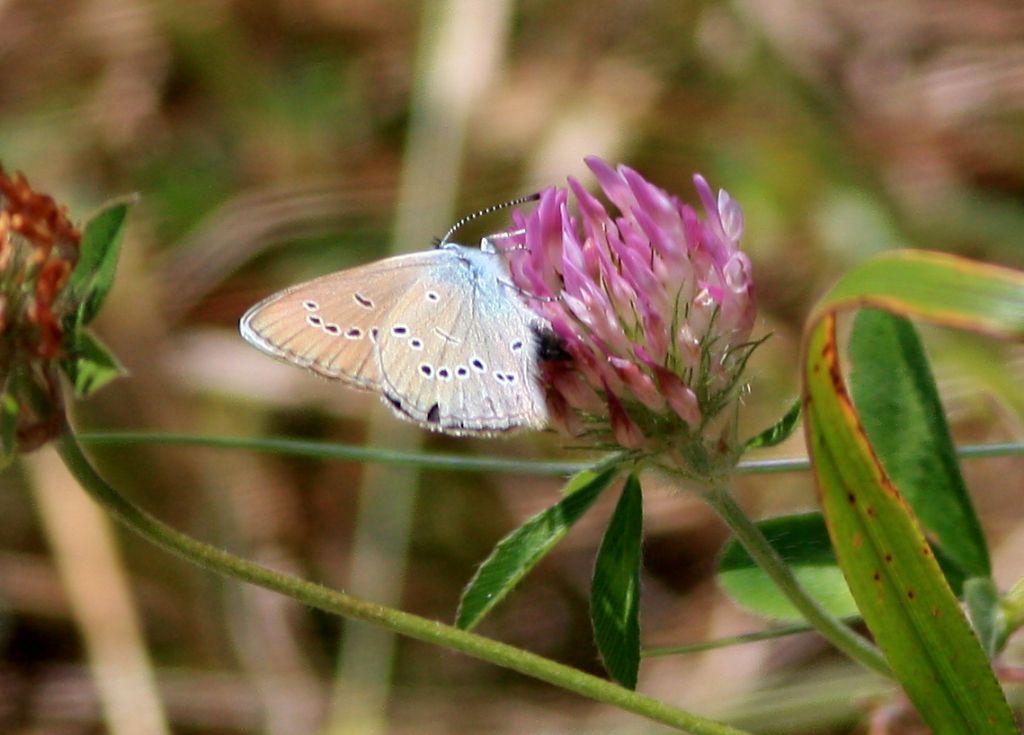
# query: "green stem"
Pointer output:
{"type": "Point", "coordinates": [781, 631]}
{"type": "Point", "coordinates": [333, 450]}
{"type": "Point", "coordinates": [449, 461]}
{"type": "Point", "coordinates": [833, 629]}
{"type": "Point", "coordinates": [339, 603]}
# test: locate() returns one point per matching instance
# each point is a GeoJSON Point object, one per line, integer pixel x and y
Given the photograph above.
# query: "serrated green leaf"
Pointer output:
{"type": "Point", "coordinates": [615, 591]}
{"type": "Point", "coordinates": [895, 395]}
{"type": "Point", "coordinates": [900, 590]}
{"type": "Point", "coordinates": [519, 552]}
{"type": "Point", "coordinates": [92, 366]}
{"type": "Point", "coordinates": [986, 615]}
{"type": "Point", "coordinates": [93, 276]}
{"type": "Point", "coordinates": [803, 543]}
{"type": "Point", "coordinates": [780, 431]}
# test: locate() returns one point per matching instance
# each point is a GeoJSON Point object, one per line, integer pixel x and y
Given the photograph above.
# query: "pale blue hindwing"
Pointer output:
{"type": "Point", "coordinates": [442, 335]}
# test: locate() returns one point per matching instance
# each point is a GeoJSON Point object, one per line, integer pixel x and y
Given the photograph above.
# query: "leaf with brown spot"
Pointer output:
{"type": "Point", "coordinates": [929, 644]}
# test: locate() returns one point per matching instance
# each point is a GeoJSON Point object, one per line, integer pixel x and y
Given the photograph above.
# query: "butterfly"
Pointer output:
{"type": "Point", "coordinates": [443, 336]}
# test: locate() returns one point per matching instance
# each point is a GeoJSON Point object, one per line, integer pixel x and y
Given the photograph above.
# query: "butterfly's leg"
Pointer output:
{"type": "Point", "coordinates": [526, 294]}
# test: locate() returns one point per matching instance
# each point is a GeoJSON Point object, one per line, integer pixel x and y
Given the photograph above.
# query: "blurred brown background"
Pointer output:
{"type": "Point", "coordinates": [273, 141]}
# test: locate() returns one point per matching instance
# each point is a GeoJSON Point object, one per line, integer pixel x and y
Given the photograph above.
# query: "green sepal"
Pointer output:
{"type": "Point", "coordinates": [91, 366]}
{"type": "Point", "coordinates": [778, 432]}
{"type": "Point", "coordinates": [93, 275]}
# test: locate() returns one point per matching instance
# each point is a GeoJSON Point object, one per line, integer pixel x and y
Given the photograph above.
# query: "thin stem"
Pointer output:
{"type": "Point", "coordinates": [332, 450]}
{"type": "Point", "coordinates": [749, 535]}
{"type": "Point", "coordinates": [340, 603]}
{"type": "Point", "coordinates": [450, 461]}
{"type": "Point", "coordinates": [756, 636]}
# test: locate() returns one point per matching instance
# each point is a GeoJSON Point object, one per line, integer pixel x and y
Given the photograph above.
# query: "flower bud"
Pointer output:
{"type": "Point", "coordinates": [38, 251]}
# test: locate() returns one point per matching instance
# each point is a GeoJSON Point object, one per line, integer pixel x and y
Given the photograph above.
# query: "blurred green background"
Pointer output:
{"type": "Point", "coordinates": [273, 141]}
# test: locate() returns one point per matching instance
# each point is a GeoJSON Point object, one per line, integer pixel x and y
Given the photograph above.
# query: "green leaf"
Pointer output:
{"type": "Point", "coordinates": [779, 432]}
{"type": "Point", "coordinates": [519, 552]}
{"type": "Point", "coordinates": [899, 406]}
{"type": "Point", "coordinates": [97, 262]}
{"type": "Point", "coordinates": [944, 289]}
{"type": "Point", "coordinates": [615, 591]}
{"type": "Point", "coordinates": [803, 543]}
{"type": "Point", "coordinates": [92, 366]}
{"type": "Point", "coordinates": [986, 615]}
{"type": "Point", "coordinates": [8, 429]}
{"type": "Point", "coordinates": [899, 588]}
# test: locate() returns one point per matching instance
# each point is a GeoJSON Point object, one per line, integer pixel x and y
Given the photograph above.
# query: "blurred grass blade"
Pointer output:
{"type": "Point", "coordinates": [803, 543]}
{"type": "Point", "coordinates": [779, 432]}
{"type": "Point", "coordinates": [516, 554]}
{"type": "Point", "coordinates": [615, 591]}
{"type": "Point", "coordinates": [895, 395]}
{"type": "Point", "coordinates": [892, 573]}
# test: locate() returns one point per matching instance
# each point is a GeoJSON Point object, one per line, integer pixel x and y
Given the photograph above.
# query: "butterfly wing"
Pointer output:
{"type": "Point", "coordinates": [330, 324]}
{"type": "Point", "coordinates": [460, 355]}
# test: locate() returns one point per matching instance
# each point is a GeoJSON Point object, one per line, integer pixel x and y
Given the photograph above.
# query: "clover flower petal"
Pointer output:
{"type": "Point", "coordinates": [654, 304]}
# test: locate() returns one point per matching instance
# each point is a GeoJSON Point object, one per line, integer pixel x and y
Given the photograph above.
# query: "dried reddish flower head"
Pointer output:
{"type": "Point", "coordinates": [38, 250]}
{"type": "Point", "coordinates": [653, 306]}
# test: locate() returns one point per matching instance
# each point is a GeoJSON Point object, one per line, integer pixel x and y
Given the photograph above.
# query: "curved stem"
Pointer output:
{"type": "Point", "coordinates": [340, 603]}
{"type": "Point", "coordinates": [840, 635]}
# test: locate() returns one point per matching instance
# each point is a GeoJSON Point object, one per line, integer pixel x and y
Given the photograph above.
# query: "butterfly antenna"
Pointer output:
{"type": "Point", "coordinates": [486, 210]}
